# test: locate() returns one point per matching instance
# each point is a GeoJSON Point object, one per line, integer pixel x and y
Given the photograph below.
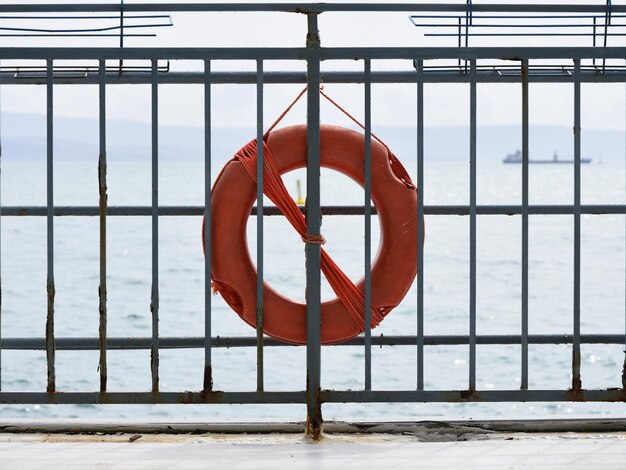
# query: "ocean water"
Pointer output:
{"type": "Point", "coordinates": [446, 277]}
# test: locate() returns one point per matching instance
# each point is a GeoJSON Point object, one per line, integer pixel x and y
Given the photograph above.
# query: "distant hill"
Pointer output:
{"type": "Point", "coordinates": [24, 137]}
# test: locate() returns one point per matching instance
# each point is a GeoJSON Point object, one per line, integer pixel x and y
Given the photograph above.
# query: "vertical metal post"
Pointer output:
{"type": "Point", "coordinates": [121, 33]}
{"type": "Point", "coordinates": [624, 366]}
{"type": "Point", "coordinates": [468, 20]}
{"type": "Point", "coordinates": [208, 367]}
{"type": "Point", "coordinates": [314, 221]}
{"type": "Point", "coordinates": [0, 235]}
{"type": "Point", "coordinates": [259, 226]}
{"type": "Point", "coordinates": [607, 23]}
{"type": "Point", "coordinates": [50, 348]}
{"type": "Point", "coordinates": [525, 129]}
{"type": "Point", "coordinates": [472, 273]}
{"type": "Point", "coordinates": [102, 189]}
{"type": "Point", "coordinates": [576, 381]}
{"type": "Point", "coordinates": [154, 299]}
{"type": "Point", "coordinates": [367, 265]}
{"type": "Point", "coordinates": [420, 224]}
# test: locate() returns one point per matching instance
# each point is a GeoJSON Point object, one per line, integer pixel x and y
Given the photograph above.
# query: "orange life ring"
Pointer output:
{"type": "Point", "coordinates": [393, 269]}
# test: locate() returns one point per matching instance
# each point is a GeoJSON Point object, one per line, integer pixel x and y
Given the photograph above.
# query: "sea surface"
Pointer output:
{"type": "Point", "coordinates": [181, 273]}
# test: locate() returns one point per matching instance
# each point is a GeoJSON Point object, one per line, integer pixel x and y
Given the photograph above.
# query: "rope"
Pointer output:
{"type": "Point", "coordinates": [274, 188]}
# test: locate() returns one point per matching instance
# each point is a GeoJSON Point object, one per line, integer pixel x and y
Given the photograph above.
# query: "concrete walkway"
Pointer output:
{"type": "Point", "coordinates": [293, 451]}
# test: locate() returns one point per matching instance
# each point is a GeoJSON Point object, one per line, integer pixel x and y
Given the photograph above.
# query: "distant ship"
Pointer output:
{"type": "Point", "coordinates": [516, 157]}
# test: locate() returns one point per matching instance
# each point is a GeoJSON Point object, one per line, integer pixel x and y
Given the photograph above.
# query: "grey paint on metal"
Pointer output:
{"type": "Point", "coordinates": [525, 163]}
{"type": "Point", "coordinates": [326, 396]}
{"type": "Point", "coordinates": [496, 73]}
{"type": "Point", "coordinates": [314, 222]}
{"type": "Point", "coordinates": [154, 299]}
{"type": "Point", "coordinates": [624, 366]}
{"type": "Point", "coordinates": [427, 396]}
{"type": "Point", "coordinates": [50, 350]}
{"type": "Point", "coordinates": [420, 224]}
{"type": "Point", "coordinates": [92, 344]}
{"type": "Point", "coordinates": [327, 53]}
{"type": "Point", "coordinates": [208, 367]}
{"type": "Point", "coordinates": [1, 231]}
{"type": "Point", "coordinates": [576, 380]}
{"type": "Point", "coordinates": [312, 8]}
{"type": "Point", "coordinates": [179, 211]}
{"type": "Point", "coordinates": [148, 398]}
{"type": "Point", "coordinates": [314, 396]}
{"type": "Point", "coordinates": [102, 190]}
{"type": "Point", "coordinates": [472, 231]}
{"type": "Point", "coordinates": [259, 227]}
{"type": "Point", "coordinates": [367, 265]}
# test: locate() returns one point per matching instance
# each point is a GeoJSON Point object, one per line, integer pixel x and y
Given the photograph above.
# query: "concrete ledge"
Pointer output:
{"type": "Point", "coordinates": [450, 428]}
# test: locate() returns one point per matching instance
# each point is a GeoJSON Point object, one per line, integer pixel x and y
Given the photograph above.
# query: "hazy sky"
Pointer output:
{"type": "Point", "coordinates": [445, 105]}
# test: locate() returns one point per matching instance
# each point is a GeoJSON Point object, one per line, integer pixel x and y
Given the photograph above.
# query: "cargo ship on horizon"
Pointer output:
{"type": "Point", "coordinates": [516, 157]}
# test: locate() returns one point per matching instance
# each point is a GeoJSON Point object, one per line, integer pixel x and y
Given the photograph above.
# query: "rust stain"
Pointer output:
{"type": "Point", "coordinates": [208, 379]}
{"type": "Point", "coordinates": [206, 396]}
{"type": "Point", "coordinates": [576, 394]}
{"type": "Point", "coordinates": [314, 414]}
{"type": "Point", "coordinates": [49, 341]}
{"type": "Point", "coordinates": [469, 395]}
{"type": "Point", "coordinates": [576, 381]}
{"type": "Point", "coordinates": [624, 376]}
{"type": "Point", "coordinates": [102, 288]}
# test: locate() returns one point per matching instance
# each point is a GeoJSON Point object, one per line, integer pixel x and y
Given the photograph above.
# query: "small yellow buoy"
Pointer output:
{"type": "Point", "coordinates": [299, 200]}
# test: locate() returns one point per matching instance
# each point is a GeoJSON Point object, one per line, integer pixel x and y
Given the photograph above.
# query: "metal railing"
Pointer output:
{"type": "Point", "coordinates": [477, 71]}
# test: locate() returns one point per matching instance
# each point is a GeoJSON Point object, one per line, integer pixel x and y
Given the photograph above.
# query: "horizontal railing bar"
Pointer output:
{"type": "Point", "coordinates": [89, 344]}
{"type": "Point", "coordinates": [308, 8]}
{"type": "Point", "coordinates": [161, 398]}
{"type": "Point", "coordinates": [365, 396]}
{"type": "Point", "coordinates": [76, 211]}
{"type": "Point", "coordinates": [326, 396]}
{"type": "Point", "coordinates": [295, 53]}
{"type": "Point", "coordinates": [489, 74]}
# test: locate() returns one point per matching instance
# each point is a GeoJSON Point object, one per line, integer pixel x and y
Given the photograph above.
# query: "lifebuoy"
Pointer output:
{"type": "Point", "coordinates": [393, 269]}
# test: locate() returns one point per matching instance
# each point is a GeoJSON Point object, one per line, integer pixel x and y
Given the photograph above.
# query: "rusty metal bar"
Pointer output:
{"type": "Point", "coordinates": [50, 351]}
{"type": "Point", "coordinates": [208, 366]}
{"type": "Point", "coordinates": [259, 227]}
{"type": "Point", "coordinates": [367, 262]}
{"type": "Point", "coordinates": [420, 224]}
{"type": "Point", "coordinates": [154, 299]}
{"type": "Point", "coordinates": [122, 343]}
{"type": "Point", "coordinates": [576, 380]}
{"type": "Point", "coordinates": [614, 395]}
{"type": "Point", "coordinates": [525, 162]}
{"type": "Point", "coordinates": [102, 190]}
{"type": "Point", "coordinates": [472, 231]}
{"type": "Point", "coordinates": [0, 234]}
{"type": "Point", "coordinates": [313, 221]}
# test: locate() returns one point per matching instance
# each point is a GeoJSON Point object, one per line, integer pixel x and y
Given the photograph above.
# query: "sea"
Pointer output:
{"type": "Point", "coordinates": [182, 284]}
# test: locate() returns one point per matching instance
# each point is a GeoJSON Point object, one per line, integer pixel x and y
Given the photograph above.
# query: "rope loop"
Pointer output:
{"type": "Point", "coordinates": [314, 239]}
